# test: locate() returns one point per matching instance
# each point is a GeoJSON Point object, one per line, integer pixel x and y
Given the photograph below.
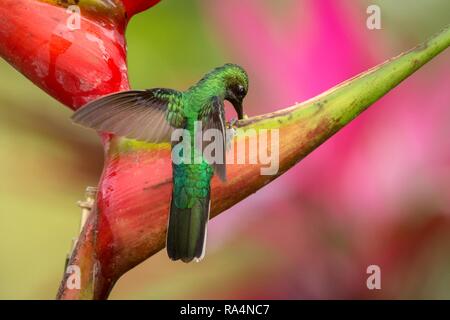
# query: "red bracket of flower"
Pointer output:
{"type": "Point", "coordinates": [128, 222]}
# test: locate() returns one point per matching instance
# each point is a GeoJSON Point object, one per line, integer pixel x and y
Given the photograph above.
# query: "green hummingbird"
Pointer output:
{"type": "Point", "coordinates": [152, 115]}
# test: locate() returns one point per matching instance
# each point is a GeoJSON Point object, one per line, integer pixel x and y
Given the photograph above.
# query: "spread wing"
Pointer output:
{"type": "Point", "coordinates": [213, 117]}
{"type": "Point", "coordinates": [147, 115]}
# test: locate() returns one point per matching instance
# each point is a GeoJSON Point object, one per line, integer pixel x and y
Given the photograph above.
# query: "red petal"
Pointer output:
{"type": "Point", "coordinates": [135, 6]}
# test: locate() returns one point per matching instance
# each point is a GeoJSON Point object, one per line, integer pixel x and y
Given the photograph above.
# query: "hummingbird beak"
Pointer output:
{"type": "Point", "coordinates": [239, 110]}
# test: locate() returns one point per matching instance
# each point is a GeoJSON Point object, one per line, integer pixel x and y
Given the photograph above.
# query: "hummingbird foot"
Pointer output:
{"type": "Point", "coordinates": [230, 133]}
{"type": "Point", "coordinates": [232, 123]}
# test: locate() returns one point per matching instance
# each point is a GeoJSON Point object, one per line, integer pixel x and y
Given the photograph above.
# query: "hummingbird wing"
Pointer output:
{"type": "Point", "coordinates": [214, 118]}
{"type": "Point", "coordinates": [147, 115]}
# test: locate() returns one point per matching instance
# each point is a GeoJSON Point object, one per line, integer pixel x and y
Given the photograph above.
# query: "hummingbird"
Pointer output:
{"type": "Point", "coordinates": [152, 115]}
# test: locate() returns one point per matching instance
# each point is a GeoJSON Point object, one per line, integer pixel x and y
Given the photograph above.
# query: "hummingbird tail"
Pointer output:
{"type": "Point", "coordinates": [186, 234]}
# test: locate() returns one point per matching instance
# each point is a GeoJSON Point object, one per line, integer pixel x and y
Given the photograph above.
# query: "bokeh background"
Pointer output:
{"type": "Point", "coordinates": [377, 193]}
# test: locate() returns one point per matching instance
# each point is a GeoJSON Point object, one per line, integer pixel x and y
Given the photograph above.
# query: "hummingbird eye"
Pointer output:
{"type": "Point", "coordinates": [241, 90]}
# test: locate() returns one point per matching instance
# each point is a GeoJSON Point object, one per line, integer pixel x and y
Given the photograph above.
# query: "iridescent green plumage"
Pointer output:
{"type": "Point", "coordinates": [151, 115]}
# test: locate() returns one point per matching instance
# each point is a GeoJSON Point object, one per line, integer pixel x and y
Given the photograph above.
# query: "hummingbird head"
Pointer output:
{"type": "Point", "coordinates": [236, 84]}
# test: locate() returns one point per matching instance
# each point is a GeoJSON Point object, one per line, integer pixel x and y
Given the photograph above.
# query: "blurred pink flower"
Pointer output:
{"type": "Point", "coordinates": [391, 162]}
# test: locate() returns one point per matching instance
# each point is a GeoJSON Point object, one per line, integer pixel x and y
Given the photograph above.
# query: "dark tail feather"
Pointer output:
{"type": "Point", "coordinates": [186, 233]}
